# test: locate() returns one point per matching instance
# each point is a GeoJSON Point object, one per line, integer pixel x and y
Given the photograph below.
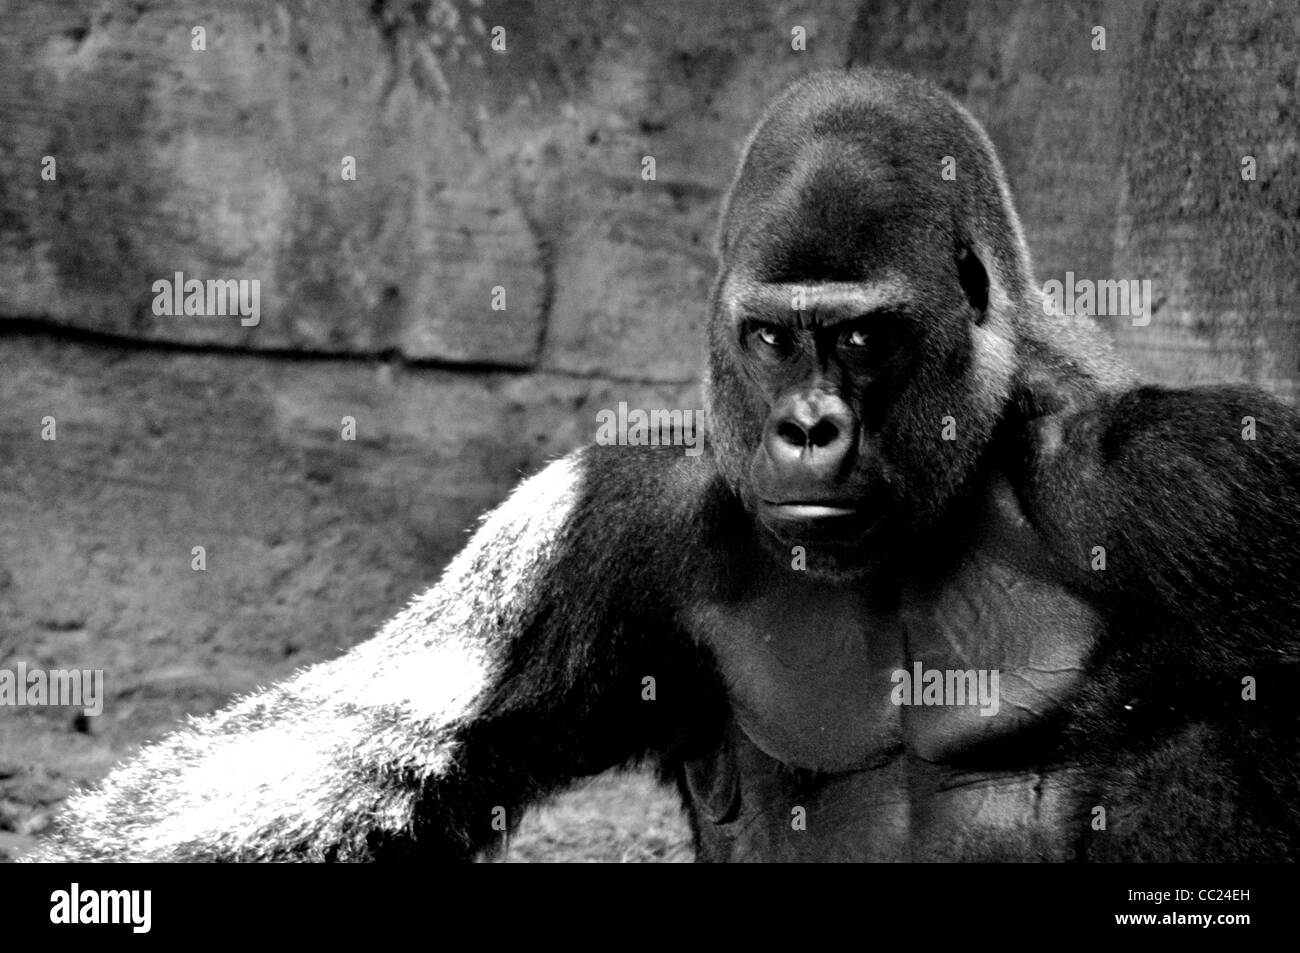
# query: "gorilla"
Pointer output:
{"type": "Point", "coordinates": [917, 481]}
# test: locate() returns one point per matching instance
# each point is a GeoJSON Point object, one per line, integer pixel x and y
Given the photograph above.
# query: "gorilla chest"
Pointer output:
{"type": "Point", "coordinates": [822, 678]}
{"type": "Point", "coordinates": [809, 679]}
{"type": "Point", "coordinates": [925, 730]}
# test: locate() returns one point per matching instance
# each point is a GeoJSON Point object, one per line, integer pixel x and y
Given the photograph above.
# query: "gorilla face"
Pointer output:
{"type": "Point", "coordinates": [839, 388]}
{"type": "Point", "coordinates": [858, 364]}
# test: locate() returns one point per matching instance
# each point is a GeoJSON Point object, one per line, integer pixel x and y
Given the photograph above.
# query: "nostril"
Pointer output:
{"type": "Point", "coordinates": [791, 433]}
{"type": "Point", "coordinates": [823, 433]}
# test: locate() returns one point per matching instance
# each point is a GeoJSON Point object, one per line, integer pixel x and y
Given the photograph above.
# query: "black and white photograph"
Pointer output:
{"type": "Point", "coordinates": [607, 431]}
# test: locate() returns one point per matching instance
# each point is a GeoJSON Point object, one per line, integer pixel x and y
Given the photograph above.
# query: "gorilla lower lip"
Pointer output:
{"type": "Point", "coordinates": [809, 511]}
{"type": "Point", "coordinates": [801, 522]}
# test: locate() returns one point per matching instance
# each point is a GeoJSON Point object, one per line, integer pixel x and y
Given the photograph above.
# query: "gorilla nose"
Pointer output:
{"type": "Point", "coordinates": [802, 436]}
{"type": "Point", "coordinates": [810, 434]}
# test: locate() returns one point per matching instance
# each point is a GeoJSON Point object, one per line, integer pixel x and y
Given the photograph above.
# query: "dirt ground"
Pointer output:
{"type": "Point", "coordinates": [615, 818]}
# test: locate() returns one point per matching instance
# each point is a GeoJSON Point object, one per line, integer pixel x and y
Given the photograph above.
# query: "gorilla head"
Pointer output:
{"type": "Point", "coordinates": [863, 322]}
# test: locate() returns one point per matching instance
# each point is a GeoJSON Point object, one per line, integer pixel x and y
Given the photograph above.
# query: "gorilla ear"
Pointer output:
{"type": "Point", "coordinates": [974, 281]}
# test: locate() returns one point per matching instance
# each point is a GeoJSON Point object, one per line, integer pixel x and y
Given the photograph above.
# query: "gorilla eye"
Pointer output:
{"type": "Point", "coordinates": [772, 337]}
{"type": "Point", "coordinates": [856, 338]}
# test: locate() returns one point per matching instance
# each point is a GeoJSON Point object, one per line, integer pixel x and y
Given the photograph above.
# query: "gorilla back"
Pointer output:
{"type": "Point", "coordinates": [946, 585]}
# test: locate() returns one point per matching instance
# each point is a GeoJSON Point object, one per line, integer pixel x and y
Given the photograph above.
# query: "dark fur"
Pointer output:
{"type": "Point", "coordinates": [556, 623]}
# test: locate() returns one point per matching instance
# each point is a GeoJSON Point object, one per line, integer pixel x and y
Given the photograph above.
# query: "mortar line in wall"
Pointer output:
{"type": "Point", "coordinates": [68, 334]}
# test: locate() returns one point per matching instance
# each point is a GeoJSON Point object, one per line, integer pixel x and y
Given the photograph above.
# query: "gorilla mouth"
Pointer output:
{"type": "Point", "coordinates": [804, 511]}
{"type": "Point", "coordinates": [828, 520]}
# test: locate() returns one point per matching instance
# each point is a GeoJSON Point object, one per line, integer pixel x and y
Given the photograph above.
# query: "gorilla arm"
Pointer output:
{"type": "Point", "coordinates": [519, 671]}
{"type": "Point", "coordinates": [1187, 722]}
{"type": "Point", "coordinates": [1198, 516]}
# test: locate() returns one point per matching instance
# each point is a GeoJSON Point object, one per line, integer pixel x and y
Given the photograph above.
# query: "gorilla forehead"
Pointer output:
{"type": "Point", "coordinates": [844, 174]}
{"type": "Point", "coordinates": [844, 213]}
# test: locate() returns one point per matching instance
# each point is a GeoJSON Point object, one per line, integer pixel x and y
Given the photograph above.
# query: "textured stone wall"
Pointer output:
{"type": "Point", "coordinates": [1127, 162]}
{"type": "Point", "coordinates": [478, 169]}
